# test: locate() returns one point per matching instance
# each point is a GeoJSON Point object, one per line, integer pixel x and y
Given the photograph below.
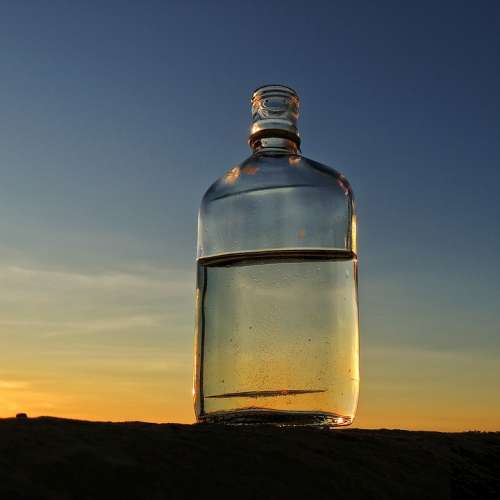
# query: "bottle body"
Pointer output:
{"type": "Point", "coordinates": [277, 309]}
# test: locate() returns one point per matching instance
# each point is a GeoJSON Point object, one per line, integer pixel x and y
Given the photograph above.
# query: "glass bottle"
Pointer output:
{"type": "Point", "coordinates": [277, 309]}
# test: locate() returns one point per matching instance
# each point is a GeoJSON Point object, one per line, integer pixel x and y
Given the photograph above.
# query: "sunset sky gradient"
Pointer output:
{"type": "Point", "coordinates": [115, 117]}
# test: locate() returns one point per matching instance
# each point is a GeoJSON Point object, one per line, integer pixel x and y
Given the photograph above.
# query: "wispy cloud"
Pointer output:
{"type": "Point", "coordinates": [16, 396]}
{"type": "Point", "coordinates": [167, 281]}
{"type": "Point", "coordinates": [13, 384]}
{"type": "Point", "coordinates": [54, 302]}
{"type": "Point", "coordinates": [55, 328]}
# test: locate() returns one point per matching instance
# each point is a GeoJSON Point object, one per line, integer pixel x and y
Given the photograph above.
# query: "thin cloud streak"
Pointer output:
{"type": "Point", "coordinates": [50, 303]}
{"type": "Point", "coordinates": [13, 384]}
{"type": "Point", "coordinates": [166, 281]}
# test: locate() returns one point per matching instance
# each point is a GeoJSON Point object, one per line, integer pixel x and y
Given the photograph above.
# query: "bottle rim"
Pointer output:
{"type": "Point", "coordinates": [273, 87]}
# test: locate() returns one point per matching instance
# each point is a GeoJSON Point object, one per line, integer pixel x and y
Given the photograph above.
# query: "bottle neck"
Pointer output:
{"type": "Point", "coordinates": [275, 145]}
{"type": "Point", "coordinates": [275, 110]}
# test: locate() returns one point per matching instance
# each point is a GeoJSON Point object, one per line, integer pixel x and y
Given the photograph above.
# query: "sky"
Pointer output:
{"type": "Point", "coordinates": [115, 117]}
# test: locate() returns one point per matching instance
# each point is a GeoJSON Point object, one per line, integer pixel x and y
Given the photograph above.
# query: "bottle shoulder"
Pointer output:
{"type": "Point", "coordinates": [259, 172]}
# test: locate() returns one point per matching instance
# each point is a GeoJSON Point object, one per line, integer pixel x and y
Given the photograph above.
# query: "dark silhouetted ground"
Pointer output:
{"type": "Point", "coordinates": [51, 458]}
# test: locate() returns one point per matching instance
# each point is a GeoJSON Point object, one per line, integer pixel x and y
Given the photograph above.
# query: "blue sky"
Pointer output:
{"type": "Point", "coordinates": [115, 117]}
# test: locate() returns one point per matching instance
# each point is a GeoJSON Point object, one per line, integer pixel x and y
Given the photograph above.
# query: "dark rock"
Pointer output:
{"type": "Point", "coordinates": [55, 458]}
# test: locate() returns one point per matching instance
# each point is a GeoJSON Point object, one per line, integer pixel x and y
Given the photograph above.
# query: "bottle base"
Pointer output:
{"type": "Point", "coordinates": [279, 418]}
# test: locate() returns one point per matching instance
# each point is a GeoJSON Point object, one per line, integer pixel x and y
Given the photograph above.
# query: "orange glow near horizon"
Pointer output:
{"type": "Point", "coordinates": [430, 403]}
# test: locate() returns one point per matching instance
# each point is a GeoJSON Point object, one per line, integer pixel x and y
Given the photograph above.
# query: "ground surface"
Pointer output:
{"type": "Point", "coordinates": [50, 458]}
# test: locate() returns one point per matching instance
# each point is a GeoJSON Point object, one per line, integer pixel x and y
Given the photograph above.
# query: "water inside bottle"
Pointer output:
{"type": "Point", "coordinates": [278, 334]}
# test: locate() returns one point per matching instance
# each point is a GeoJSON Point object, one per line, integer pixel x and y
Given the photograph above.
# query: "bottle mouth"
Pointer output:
{"type": "Point", "coordinates": [274, 88]}
{"type": "Point", "coordinates": [275, 111]}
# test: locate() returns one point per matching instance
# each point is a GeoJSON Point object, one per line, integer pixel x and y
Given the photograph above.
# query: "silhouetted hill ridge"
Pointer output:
{"type": "Point", "coordinates": [53, 458]}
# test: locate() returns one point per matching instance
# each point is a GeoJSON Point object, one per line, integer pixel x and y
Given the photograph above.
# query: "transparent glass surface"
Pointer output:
{"type": "Point", "coordinates": [277, 309]}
